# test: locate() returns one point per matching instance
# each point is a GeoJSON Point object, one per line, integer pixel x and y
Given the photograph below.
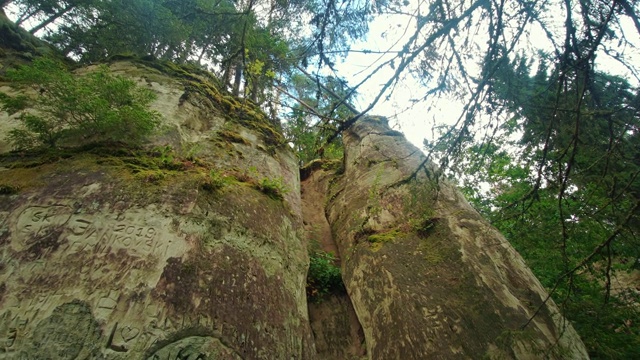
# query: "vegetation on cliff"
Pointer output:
{"type": "Point", "coordinates": [566, 190]}
{"type": "Point", "coordinates": [324, 277]}
{"type": "Point", "coordinates": [72, 110]}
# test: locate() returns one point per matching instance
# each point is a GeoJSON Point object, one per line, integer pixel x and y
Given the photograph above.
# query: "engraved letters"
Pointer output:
{"type": "Point", "coordinates": [96, 233]}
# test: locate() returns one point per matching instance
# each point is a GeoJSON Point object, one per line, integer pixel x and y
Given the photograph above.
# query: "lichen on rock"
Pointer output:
{"type": "Point", "coordinates": [432, 279]}
{"type": "Point", "coordinates": [134, 249]}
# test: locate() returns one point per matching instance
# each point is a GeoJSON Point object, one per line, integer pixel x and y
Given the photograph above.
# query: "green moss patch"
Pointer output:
{"type": "Point", "coordinates": [232, 136]}
{"type": "Point", "coordinates": [387, 236]}
{"type": "Point", "coordinates": [241, 111]}
{"type": "Point", "coordinates": [378, 239]}
{"type": "Point", "coordinates": [136, 167]}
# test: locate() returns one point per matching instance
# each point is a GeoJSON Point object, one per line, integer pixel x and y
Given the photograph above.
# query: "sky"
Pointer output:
{"type": "Point", "coordinates": [388, 33]}
{"type": "Point", "coordinates": [417, 119]}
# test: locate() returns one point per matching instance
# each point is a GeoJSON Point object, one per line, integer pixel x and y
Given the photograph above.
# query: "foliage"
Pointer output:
{"type": "Point", "coordinates": [565, 192]}
{"type": "Point", "coordinates": [324, 276]}
{"type": "Point", "coordinates": [311, 127]}
{"type": "Point", "coordinates": [253, 46]}
{"type": "Point", "coordinates": [215, 181]}
{"type": "Point", "coordinates": [308, 143]}
{"type": "Point", "coordinates": [248, 43]}
{"type": "Point", "coordinates": [73, 110]}
{"type": "Point", "coordinates": [274, 188]}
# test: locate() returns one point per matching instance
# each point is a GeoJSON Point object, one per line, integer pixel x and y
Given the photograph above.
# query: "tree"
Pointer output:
{"type": "Point", "coordinates": [75, 110]}
{"type": "Point", "coordinates": [315, 113]}
{"type": "Point", "coordinates": [248, 42]}
{"type": "Point", "coordinates": [566, 193]}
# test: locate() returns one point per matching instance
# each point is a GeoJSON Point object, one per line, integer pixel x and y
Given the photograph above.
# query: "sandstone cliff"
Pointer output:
{"type": "Point", "coordinates": [182, 250]}
{"type": "Point", "coordinates": [426, 275]}
{"type": "Point", "coordinates": [143, 253]}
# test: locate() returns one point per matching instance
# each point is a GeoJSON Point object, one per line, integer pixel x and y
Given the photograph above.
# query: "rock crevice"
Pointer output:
{"type": "Point", "coordinates": [337, 331]}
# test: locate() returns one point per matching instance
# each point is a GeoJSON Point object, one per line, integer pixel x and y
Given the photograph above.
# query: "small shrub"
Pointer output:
{"type": "Point", "coordinates": [324, 277]}
{"type": "Point", "coordinates": [274, 188]}
{"type": "Point", "coordinates": [214, 182]}
{"type": "Point", "coordinates": [72, 110]}
{"type": "Point", "coordinates": [165, 154]}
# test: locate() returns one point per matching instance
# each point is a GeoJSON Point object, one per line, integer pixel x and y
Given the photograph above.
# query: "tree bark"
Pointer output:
{"type": "Point", "coordinates": [25, 17]}
{"type": "Point", "coordinates": [202, 52]}
{"type": "Point", "coordinates": [237, 79]}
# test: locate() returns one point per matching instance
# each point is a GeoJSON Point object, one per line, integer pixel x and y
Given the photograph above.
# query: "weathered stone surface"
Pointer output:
{"type": "Point", "coordinates": [102, 256]}
{"type": "Point", "coordinates": [71, 332]}
{"type": "Point", "coordinates": [427, 276]}
{"type": "Point", "coordinates": [196, 347]}
{"type": "Point", "coordinates": [336, 330]}
{"type": "Point", "coordinates": [314, 190]}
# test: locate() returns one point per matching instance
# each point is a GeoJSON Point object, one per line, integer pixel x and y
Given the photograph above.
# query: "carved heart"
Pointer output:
{"type": "Point", "coordinates": [129, 333]}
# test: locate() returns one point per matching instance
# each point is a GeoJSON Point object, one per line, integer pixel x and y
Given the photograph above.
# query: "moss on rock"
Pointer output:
{"type": "Point", "coordinates": [197, 80]}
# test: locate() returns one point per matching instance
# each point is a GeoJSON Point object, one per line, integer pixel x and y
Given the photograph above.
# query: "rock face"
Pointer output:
{"type": "Point", "coordinates": [144, 254]}
{"type": "Point", "coordinates": [337, 332]}
{"type": "Point", "coordinates": [194, 248]}
{"type": "Point", "coordinates": [427, 276]}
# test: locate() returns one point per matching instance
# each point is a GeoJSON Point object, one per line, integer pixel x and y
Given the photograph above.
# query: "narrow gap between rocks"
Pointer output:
{"type": "Point", "coordinates": [336, 329]}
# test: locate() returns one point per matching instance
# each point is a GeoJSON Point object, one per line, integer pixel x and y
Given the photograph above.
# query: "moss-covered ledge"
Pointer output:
{"type": "Point", "coordinates": [199, 81]}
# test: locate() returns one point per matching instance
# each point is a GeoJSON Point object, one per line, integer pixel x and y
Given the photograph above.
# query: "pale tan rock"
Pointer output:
{"type": "Point", "coordinates": [427, 276]}
{"type": "Point", "coordinates": [99, 260]}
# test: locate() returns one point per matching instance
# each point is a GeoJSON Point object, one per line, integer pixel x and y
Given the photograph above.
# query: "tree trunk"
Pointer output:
{"type": "Point", "coordinates": [202, 52]}
{"type": "Point", "coordinates": [226, 75]}
{"type": "Point", "coordinates": [237, 80]}
{"type": "Point", "coordinates": [25, 17]}
{"type": "Point", "coordinates": [255, 90]}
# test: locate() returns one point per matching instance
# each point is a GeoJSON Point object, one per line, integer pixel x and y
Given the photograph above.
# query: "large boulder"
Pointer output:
{"type": "Point", "coordinates": [427, 276]}
{"type": "Point", "coordinates": [190, 247]}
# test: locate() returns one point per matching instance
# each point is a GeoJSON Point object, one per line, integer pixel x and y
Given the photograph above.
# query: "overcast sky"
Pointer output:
{"type": "Point", "coordinates": [417, 119]}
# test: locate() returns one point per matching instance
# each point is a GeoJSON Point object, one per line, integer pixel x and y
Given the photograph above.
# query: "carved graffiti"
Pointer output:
{"type": "Point", "coordinates": [11, 325]}
{"type": "Point", "coordinates": [36, 222]}
{"type": "Point", "coordinates": [97, 233]}
{"type": "Point", "coordinates": [121, 337]}
{"type": "Point", "coordinates": [104, 258]}
{"type": "Point", "coordinates": [194, 348]}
